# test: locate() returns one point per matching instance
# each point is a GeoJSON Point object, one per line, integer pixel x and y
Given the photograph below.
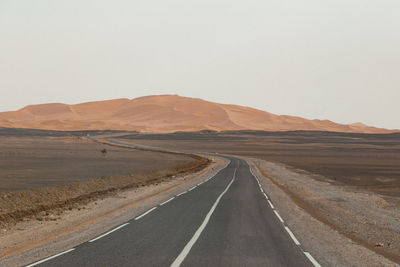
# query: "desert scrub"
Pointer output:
{"type": "Point", "coordinates": [18, 205]}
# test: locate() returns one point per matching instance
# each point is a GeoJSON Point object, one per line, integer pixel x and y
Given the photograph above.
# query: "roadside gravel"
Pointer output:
{"type": "Point", "coordinates": [339, 226]}
{"type": "Point", "coordinates": [32, 240]}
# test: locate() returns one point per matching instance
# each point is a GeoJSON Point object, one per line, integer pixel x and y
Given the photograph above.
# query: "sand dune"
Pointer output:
{"type": "Point", "coordinates": [165, 113]}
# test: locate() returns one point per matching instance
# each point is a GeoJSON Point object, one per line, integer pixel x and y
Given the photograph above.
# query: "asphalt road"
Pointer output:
{"type": "Point", "coordinates": [225, 221]}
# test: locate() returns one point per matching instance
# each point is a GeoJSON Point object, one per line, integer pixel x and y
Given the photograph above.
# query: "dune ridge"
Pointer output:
{"type": "Point", "coordinates": [164, 114]}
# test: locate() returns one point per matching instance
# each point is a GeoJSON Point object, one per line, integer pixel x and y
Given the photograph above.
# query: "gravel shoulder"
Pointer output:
{"type": "Point", "coordinates": [340, 227]}
{"type": "Point", "coordinates": [31, 240]}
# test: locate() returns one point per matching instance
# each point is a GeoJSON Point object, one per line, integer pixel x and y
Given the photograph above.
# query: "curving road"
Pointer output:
{"type": "Point", "coordinates": [225, 221]}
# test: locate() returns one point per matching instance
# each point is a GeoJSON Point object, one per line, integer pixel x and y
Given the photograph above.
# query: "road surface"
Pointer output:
{"type": "Point", "coordinates": [225, 221]}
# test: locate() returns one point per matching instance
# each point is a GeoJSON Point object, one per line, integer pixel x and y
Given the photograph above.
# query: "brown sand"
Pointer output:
{"type": "Point", "coordinates": [166, 113]}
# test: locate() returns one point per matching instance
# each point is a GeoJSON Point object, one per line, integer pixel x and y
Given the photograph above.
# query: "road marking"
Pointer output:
{"type": "Point", "coordinates": [205, 180]}
{"type": "Point", "coordinates": [308, 255]}
{"type": "Point", "coordinates": [292, 236]}
{"type": "Point", "coordinates": [262, 190]}
{"type": "Point", "coordinates": [144, 214]}
{"type": "Point", "coordinates": [272, 206]}
{"type": "Point", "coordinates": [165, 202]}
{"type": "Point", "coordinates": [279, 217]}
{"type": "Point", "coordinates": [181, 193]}
{"type": "Point", "coordinates": [181, 257]}
{"type": "Point", "coordinates": [192, 188]}
{"type": "Point", "coordinates": [109, 232]}
{"type": "Point", "coordinates": [49, 258]}
{"type": "Point", "coordinates": [313, 261]}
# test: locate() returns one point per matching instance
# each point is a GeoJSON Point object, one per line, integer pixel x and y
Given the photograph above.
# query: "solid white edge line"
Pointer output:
{"type": "Point", "coordinates": [165, 202]}
{"type": "Point", "coordinates": [279, 217]}
{"type": "Point", "coordinates": [265, 195]}
{"type": "Point", "coordinates": [192, 188]}
{"type": "Point", "coordinates": [181, 193]}
{"type": "Point", "coordinates": [313, 261]}
{"type": "Point", "coordinates": [181, 257]}
{"type": "Point", "coordinates": [49, 258]}
{"type": "Point", "coordinates": [205, 180]}
{"type": "Point", "coordinates": [272, 206]}
{"type": "Point", "coordinates": [109, 232]}
{"type": "Point", "coordinates": [292, 236]}
{"type": "Point", "coordinates": [144, 214]}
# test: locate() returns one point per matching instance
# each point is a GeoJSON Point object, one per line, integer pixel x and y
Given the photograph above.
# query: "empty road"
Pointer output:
{"type": "Point", "coordinates": [225, 221]}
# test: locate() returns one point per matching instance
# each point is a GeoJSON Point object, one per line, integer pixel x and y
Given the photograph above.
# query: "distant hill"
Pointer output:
{"type": "Point", "coordinates": [164, 113]}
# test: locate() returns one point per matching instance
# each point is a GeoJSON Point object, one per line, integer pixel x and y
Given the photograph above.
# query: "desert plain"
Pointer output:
{"type": "Point", "coordinates": [50, 171]}
{"type": "Point", "coordinates": [35, 162]}
{"type": "Point", "coordinates": [359, 161]}
{"type": "Point", "coordinates": [349, 182]}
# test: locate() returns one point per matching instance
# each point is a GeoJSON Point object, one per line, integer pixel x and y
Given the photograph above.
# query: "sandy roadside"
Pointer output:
{"type": "Point", "coordinates": [351, 210]}
{"type": "Point", "coordinates": [33, 240]}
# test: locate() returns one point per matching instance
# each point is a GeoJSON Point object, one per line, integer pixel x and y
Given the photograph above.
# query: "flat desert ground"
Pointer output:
{"type": "Point", "coordinates": [35, 162]}
{"type": "Point", "coordinates": [350, 182]}
{"type": "Point", "coordinates": [49, 171]}
{"type": "Point", "coordinates": [362, 161]}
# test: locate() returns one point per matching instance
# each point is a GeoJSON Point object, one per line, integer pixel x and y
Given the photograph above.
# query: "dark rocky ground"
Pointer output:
{"type": "Point", "coordinates": [349, 182]}
{"type": "Point", "coordinates": [33, 159]}
{"type": "Point", "coordinates": [368, 161]}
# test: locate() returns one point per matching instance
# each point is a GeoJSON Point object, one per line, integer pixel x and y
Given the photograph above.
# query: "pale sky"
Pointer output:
{"type": "Point", "coordinates": [319, 59]}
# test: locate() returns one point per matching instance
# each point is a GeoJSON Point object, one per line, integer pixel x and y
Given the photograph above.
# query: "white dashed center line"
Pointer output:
{"type": "Point", "coordinates": [313, 261]}
{"type": "Point", "coordinates": [181, 193]}
{"type": "Point", "coordinates": [277, 215]}
{"type": "Point", "coordinates": [292, 236]}
{"type": "Point", "coordinates": [109, 232]}
{"type": "Point", "coordinates": [192, 188]}
{"type": "Point", "coordinates": [165, 202]}
{"type": "Point", "coordinates": [144, 214]}
{"type": "Point", "coordinates": [49, 258]}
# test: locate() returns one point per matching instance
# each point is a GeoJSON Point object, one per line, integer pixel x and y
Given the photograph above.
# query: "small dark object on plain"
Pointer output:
{"type": "Point", "coordinates": [104, 151]}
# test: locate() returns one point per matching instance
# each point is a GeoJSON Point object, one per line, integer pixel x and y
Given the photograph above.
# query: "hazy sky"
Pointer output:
{"type": "Point", "coordinates": [329, 59]}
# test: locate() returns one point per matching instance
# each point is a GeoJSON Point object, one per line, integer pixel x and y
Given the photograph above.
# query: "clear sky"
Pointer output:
{"type": "Point", "coordinates": [330, 59]}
